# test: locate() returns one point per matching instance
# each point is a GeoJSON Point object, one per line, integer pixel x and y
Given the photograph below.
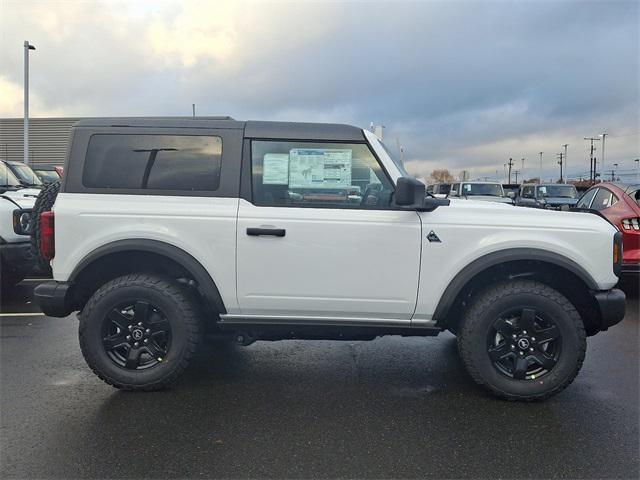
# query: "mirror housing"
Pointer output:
{"type": "Point", "coordinates": [410, 192]}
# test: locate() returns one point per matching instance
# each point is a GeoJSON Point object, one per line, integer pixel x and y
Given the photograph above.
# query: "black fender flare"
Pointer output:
{"type": "Point", "coordinates": [503, 256]}
{"type": "Point", "coordinates": [206, 285]}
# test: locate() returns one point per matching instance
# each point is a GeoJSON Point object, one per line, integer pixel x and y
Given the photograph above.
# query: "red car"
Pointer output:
{"type": "Point", "coordinates": [620, 204]}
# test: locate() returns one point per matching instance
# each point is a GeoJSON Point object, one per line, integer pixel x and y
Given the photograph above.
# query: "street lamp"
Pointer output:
{"type": "Point", "coordinates": [637, 160]}
{"type": "Point", "coordinates": [604, 137]}
{"type": "Point", "coordinates": [27, 47]}
{"type": "Point", "coordinates": [614, 171]}
{"type": "Point", "coordinates": [540, 179]}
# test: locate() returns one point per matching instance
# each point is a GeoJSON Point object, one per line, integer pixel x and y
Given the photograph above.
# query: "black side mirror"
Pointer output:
{"type": "Point", "coordinates": [410, 192]}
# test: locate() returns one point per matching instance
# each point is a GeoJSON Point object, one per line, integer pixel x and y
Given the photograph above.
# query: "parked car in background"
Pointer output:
{"type": "Point", "coordinates": [620, 204]}
{"type": "Point", "coordinates": [16, 259]}
{"type": "Point", "coordinates": [487, 191]}
{"type": "Point", "coordinates": [439, 189]}
{"type": "Point", "coordinates": [24, 174]}
{"type": "Point", "coordinates": [48, 173]}
{"type": "Point", "coordinates": [552, 196]}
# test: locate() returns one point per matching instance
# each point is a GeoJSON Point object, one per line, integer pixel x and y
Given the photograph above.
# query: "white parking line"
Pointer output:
{"type": "Point", "coordinates": [22, 314]}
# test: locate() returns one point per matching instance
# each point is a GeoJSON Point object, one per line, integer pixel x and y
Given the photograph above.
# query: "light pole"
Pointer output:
{"type": "Point", "coordinates": [560, 156]}
{"type": "Point", "coordinates": [604, 136]}
{"type": "Point", "coordinates": [540, 176]}
{"type": "Point", "coordinates": [637, 160]}
{"type": "Point", "coordinates": [592, 165]}
{"type": "Point", "coordinates": [27, 47]}
{"type": "Point", "coordinates": [565, 161]}
{"type": "Point", "coordinates": [613, 172]}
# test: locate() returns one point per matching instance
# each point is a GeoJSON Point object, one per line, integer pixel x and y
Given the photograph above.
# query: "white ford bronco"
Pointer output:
{"type": "Point", "coordinates": [167, 228]}
{"type": "Point", "coordinates": [16, 203]}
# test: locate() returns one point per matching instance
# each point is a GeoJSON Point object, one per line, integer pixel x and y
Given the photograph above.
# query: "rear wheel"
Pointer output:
{"type": "Point", "coordinates": [522, 340]}
{"type": "Point", "coordinates": [139, 332]}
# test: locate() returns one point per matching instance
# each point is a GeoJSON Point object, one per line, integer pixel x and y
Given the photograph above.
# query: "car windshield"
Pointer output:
{"type": "Point", "coordinates": [395, 160]}
{"type": "Point", "coordinates": [25, 174]}
{"type": "Point", "coordinates": [561, 191]}
{"type": "Point", "coordinates": [7, 179]}
{"type": "Point", "coordinates": [486, 189]}
{"type": "Point", "coordinates": [48, 176]}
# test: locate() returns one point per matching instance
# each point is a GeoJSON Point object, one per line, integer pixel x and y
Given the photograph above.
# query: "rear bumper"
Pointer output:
{"type": "Point", "coordinates": [612, 306]}
{"type": "Point", "coordinates": [55, 299]}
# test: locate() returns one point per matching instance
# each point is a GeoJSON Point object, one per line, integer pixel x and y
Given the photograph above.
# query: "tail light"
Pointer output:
{"type": "Point", "coordinates": [47, 238]}
{"type": "Point", "coordinates": [617, 253]}
{"type": "Point", "coordinates": [631, 224]}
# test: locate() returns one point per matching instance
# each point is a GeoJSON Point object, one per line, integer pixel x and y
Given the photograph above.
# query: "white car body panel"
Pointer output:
{"type": "Point", "coordinates": [331, 262]}
{"type": "Point", "coordinates": [469, 230]}
{"type": "Point", "coordinates": [204, 227]}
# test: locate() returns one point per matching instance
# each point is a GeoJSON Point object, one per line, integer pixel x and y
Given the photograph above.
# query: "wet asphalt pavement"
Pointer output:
{"type": "Point", "coordinates": [392, 408]}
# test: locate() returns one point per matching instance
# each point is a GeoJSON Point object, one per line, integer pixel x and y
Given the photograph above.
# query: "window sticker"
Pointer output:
{"type": "Point", "coordinates": [275, 169]}
{"type": "Point", "coordinates": [319, 168]}
{"type": "Point", "coordinates": [467, 187]}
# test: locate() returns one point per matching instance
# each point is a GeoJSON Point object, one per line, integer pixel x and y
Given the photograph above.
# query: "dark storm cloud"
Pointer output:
{"type": "Point", "coordinates": [461, 84]}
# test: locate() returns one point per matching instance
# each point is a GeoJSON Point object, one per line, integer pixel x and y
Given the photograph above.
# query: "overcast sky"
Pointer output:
{"type": "Point", "coordinates": [461, 85]}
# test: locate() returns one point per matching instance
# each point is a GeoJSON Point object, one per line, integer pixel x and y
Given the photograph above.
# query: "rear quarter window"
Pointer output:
{"type": "Point", "coordinates": [153, 162]}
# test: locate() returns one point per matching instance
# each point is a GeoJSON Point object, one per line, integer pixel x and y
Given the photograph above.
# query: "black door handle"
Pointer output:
{"type": "Point", "coordinates": [274, 232]}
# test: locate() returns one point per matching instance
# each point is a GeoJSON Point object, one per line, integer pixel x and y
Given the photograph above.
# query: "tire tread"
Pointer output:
{"type": "Point", "coordinates": [167, 288]}
{"type": "Point", "coordinates": [492, 295]}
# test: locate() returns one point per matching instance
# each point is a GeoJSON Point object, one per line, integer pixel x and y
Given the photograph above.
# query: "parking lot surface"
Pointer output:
{"type": "Point", "coordinates": [394, 408]}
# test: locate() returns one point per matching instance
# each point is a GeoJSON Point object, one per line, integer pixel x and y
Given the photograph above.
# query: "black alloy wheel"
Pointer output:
{"type": "Point", "coordinates": [136, 336]}
{"type": "Point", "coordinates": [524, 344]}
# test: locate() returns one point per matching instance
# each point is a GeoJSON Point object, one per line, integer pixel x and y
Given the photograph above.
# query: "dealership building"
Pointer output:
{"type": "Point", "coordinates": [48, 138]}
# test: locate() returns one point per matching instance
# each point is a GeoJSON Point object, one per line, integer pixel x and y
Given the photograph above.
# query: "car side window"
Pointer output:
{"type": "Point", "coordinates": [527, 192]}
{"type": "Point", "coordinates": [312, 174]}
{"type": "Point", "coordinates": [153, 162]}
{"type": "Point", "coordinates": [585, 200]}
{"type": "Point", "coordinates": [454, 190]}
{"type": "Point", "coordinates": [605, 198]}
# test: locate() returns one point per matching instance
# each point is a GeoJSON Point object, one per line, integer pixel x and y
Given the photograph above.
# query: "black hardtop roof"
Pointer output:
{"type": "Point", "coordinates": [252, 129]}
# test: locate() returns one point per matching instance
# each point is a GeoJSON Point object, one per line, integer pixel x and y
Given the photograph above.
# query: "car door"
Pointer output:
{"type": "Point", "coordinates": [318, 238]}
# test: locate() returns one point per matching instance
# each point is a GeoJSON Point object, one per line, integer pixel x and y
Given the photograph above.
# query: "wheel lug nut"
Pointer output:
{"type": "Point", "coordinates": [130, 327]}
{"type": "Point", "coordinates": [146, 340]}
{"type": "Point", "coordinates": [514, 336]}
{"type": "Point", "coordinates": [521, 353]}
{"type": "Point", "coordinates": [159, 359]}
{"type": "Point", "coordinates": [524, 332]}
{"type": "Point", "coordinates": [148, 330]}
{"type": "Point", "coordinates": [136, 344]}
{"type": "Point", "coordinates": [533, 339]}
{"type": "Point", "coordinates": [128, 337]}
{"type": "Point", "coordinates": [513, 347]}
{"type": "Point", "coordinates": [531, 349]}
{"type": "Point", "coordinates": [139, 324]}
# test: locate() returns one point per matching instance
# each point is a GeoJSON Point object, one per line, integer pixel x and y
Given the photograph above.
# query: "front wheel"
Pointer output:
{"type": "Point", "coordinates": [139, 332]}
{"type": "Point", "coordinates": [522, 340]}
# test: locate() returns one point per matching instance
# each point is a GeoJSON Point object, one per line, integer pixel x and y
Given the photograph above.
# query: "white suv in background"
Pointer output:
{"type": "Point", "coordinates": [485, 191]}
{"type": "Point", "coordinates": [16, 202]}
{"type": "Point", "coordinates": [167, 227]}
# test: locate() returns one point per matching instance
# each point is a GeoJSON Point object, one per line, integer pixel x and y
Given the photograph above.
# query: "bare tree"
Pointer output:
{"type": "Point", "coordinates": [441, 175]}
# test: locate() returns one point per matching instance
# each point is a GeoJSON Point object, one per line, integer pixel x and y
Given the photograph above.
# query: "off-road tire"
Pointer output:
{"type": "Point", "coordinates": [521, 293]}
{"type": "Point", "coordinates": [182, 313]}
{"type": "Point", "coordinates": [44, 203]}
